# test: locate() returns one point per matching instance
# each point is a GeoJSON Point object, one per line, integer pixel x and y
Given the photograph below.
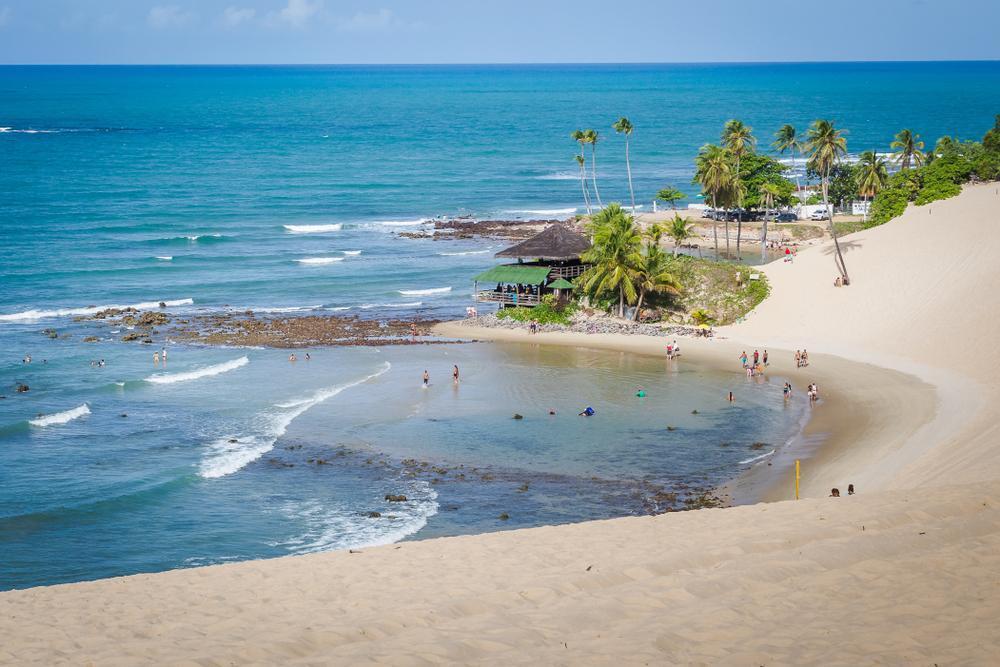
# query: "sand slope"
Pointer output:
{"type": "Point", "coordinates": [909, 574]}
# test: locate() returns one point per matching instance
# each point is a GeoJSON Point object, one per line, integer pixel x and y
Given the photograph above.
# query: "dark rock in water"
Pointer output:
{"type": "Point", "coordinates": [233, 440]}
{"type": "Point", "coordinates": [131, 336]}
{"type": "Point", "coordinates": [163, 304]}
{"type": "Point", "coordinates": [152, 318]}
{"type": "Point", "coordinates": [51, 333]}
{"type": "Point", "coordinates": [123, 415]}
{"type": "Point", "coordinates": [694, 412]}
{"type": "Point", "coordinates": [758, 445]}
{"type": "Point", "coordinates": [523, 488]}
{"type": "Point", "coordinates": [21, 388]}
{"type": "Point", "coordinates": [147, 341]}
{"type": "Point", "coordinates": [517, 416]}
{"type": "Point", "coordinates": [394, 498]}
{"type": "Point", "coordinates": [671, 428]}
{"type": "Point", "coordinates": [503, 516]}
{"type": "Point", "coordinates": [91, 339]}
{"type": "Point", "coordinates": [374, 515]}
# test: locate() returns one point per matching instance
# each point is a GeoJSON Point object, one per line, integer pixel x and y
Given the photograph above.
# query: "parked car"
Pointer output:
{"type": "Point", "coordinates": [782, 217]}
{"type": "Point", "coordinates": [818, 215]}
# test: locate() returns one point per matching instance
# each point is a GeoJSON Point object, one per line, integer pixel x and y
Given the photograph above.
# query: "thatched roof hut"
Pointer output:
{"type": "Point", "coordinates": [554, 243]}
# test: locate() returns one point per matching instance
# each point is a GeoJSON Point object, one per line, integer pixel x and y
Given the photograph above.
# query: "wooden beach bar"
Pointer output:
{"type": "Point", "coordinates": [546, 263]}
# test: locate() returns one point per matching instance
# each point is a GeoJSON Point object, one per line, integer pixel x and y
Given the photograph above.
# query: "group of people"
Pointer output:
{"type": "Point", "coordinates": [758, 365]}
{"type": "Point", "coordinates": [835, 492]}
{"type": "Point", "coordinates": [813, 392]}
{"type": "Point", "coordinates": [158, 356]}
{"type": "Point", "coordinates": [454, 376]}
{"type": "Point", "coordinates": [673, 350]}
{"type": "Point", "coordinates": [533, 327]}
{"type": "Point", "coordinates": [95, 363]}
{"type": "Point", "coordinates": [292, 358]}
{"type": "Point", "coordinates": [801, 358]}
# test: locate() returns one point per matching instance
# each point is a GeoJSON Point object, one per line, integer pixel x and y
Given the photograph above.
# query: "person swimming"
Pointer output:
{"type": "Point", "coordinates": [641, 393]}
{"type": "Point", "coordinates": [587, 412]}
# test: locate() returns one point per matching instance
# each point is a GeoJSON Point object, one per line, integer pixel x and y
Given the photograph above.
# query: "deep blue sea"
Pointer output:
{"type": "Point", "coordinates": [283, 189]}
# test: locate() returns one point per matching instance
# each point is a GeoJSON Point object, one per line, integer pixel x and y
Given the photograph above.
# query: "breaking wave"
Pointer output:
{"type": "Point", "coordinates": [424, 292]}
{"type": "Point", "coordinates": [315, 261]}
{"type": "Point", "coordinates": [32, 315]}
{"type": "Point", "coordinates": [196, 374]}
{"type": "Point", "coordinates": [313, 229]}
{"type": "Point", "coordinates": [61, 417]}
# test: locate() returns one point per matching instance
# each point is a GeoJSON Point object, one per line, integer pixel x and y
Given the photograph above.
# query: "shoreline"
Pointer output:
{"type": "Point", "coordinates": [886, 403]}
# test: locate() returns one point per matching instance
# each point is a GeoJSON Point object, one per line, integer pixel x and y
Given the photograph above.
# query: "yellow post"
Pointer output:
{"type": "Point", "coordinates": [796, 479]}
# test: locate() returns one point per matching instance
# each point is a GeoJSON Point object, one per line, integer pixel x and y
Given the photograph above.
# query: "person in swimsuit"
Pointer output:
{"type": "Point", "coordinates": [454, 373]}
{"type": "Point", "coordinates": [427, 378]}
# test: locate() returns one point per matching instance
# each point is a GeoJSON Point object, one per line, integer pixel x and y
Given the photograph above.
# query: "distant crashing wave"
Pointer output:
{"type": "Point", "coordinates": [165, 258]}
{"type": "Point", "coordinates": [402, 223]}
{"type": "Point", "coordinates": [191, 238]}
{"type": "Point", "coordinates": [313, 229]}
{"type": "Point", "coordinates": [413, 304]}
{"type": "Point", "coordinates": [757, 458]}
{"type": "Point", "coordinates": [319, 260]}
{"type": "Point", "coordinates": [61, 130]}
{"type": "Point", "coordinates": [225, 457]}
{"type": "Point", "coordinates": [558, 176]}
{"type": "Point", "coordinates": [424, 292]}
{"type": "Point", "coordinates": [544, 211]}
{"type": "Point", "coordinates": [352, 252]}
{"type": "Point", "coordinates": [207, 371]}
{"type": "Point", "coordinates": [459, 254]}
{"type": "Point", "coordinates": [281, 309]}
{"type": "Point", "coordinates": [32, 315]}
{"type": "Point", "coordinates": [61, 417]}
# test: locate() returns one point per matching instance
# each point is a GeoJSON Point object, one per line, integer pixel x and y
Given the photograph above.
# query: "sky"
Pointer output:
{"type": "Point", "coordinates": [493, 31]}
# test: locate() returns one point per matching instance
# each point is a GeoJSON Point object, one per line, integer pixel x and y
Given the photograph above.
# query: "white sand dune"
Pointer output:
{"type": "Point", "coordinates": [903, 573]}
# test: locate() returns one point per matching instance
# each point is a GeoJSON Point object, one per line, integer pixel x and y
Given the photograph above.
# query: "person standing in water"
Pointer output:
{"type": "Point", "coordinates": [163, 356]}
{"type": "Point", "coordinates": [454, 373]}
{"type": "Point", "coordinates": [156, 358]}
{"type": "Point", "coordinates": [427, 378]}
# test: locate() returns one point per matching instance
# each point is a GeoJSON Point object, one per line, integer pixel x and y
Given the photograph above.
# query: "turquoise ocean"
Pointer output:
{"type": "Point", "coordinates": [282, 190]}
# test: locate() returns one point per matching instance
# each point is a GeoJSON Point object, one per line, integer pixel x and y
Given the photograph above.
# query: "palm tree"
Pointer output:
{"type": "Point", "coordinates": [826, 145]}
{"type": "Point", "coordinates": [670, 196]}
{"type": "Point", "coordinates": [873, 175]}
{"type": "Point", "coordinates": [715, 174]}
{"type": "Point", "coordinates": [591, 137]}
{"type": "Point", "coordinates": [787, 139]}
{"type": "Point", "coordinates": [651, 272]}
{"type": "Point", "coordinates": [770, 191]}
{"type": "Point", "coordinates": [737, 138]}
{"type": "Point", "coordinates": [680, 231]}
{"type": "Point", "coordinates": [581, 161]}
{"type": "Point", "coordinates": [616, 251]}
{"type": "Point", "coordinates": [624, 126]}
{"type": "Point", "coordinates": [909, 149]}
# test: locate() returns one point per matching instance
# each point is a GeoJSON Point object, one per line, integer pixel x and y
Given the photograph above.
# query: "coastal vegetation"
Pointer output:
{"type": "Point", "coordinates": [549, 311]}
{"type": "Point", "coordinates": [825, 145]}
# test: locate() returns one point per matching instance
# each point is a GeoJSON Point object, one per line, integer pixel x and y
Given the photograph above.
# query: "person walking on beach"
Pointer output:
{"type": "Point", "coordinates": [743, 359]}
{"type": "Point", "coordinates": [427, 378]}
{"type": "Point", "coordinates": [454, 373]}
{"type": "Point", "coordinates": [805, 358]}
{"type": "Point", "coordinates": [756, 357]}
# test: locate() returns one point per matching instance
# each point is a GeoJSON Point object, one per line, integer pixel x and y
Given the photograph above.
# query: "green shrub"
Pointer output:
{"type": "Point", "coordinates": [547, 312]}
{"type": "Point", "coordinates": [888, 204]}
{"type": "Point", "coordinates": [943, 178]}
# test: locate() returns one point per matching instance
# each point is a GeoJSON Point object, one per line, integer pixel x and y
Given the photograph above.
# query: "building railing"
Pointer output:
{"type": "Point", "coordinates": [508, 298]}
{"type": "Point", "coordinates": [568, 271]}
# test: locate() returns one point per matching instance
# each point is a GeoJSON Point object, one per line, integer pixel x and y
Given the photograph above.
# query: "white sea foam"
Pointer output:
{"type": "Point", "coordinates": [278, 309]}
{"type": "Point", "coordinates": [559, 176]}
{"type": "Point", "coordinates": [467, 252]}
{"type": "Point", "coordinates": [313, 229]}
{"type": "Point", "coordinates": [757, 458]}
{"type": "Point", "coordinates": [544, 211]}
{"type": "Point", "coordinates": [352, 252]}
{"type": "Point", "coordinates": [403, 223]}
{"type": "Point", "coordinates": [225, 457]}
{"type": "Point", "coordinates": [424, 292]}
{"type": "Point", "coordinates": [166, 258]}
{"type": "Point", "coordinates": [32, 315]}
{"type": "Point", "coordinates": [61, 417]}
{"type": "Point", "coordinates": [207, 371]}
{"type": "Point", "coordinates": [329, 528]}
{"type": "Point", "coordinates": [314, 261]}
{"type": "Point", "coordinates": [411, 304]}
{"type": "Point", "coordinates": [337, 309]}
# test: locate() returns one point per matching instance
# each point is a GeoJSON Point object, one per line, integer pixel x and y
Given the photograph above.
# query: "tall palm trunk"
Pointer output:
{"type": "Point", "coordinates": [739, 211]}
{"type": "Point", "coordinates": [583, 186]}
{"type": "Point", "coordinates": [715, 226]}
{"type": "Point", "coordinates": [763, 237]}
{"type": "Point", "coordinates": [638, 305]}
{"type": "Point", "coordinates": [833, 232]}
{"type": "Point", "coordinates": [628, 170]}
{"type": "Point", "coordinates": [728, 253]}
{"type": "Point", "coordinates": [621, 301]}
{"type": "Point", "coordinates": [593, 173]}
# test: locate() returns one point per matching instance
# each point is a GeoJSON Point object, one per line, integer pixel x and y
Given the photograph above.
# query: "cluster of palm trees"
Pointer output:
{"type": "Point", "coordinates": [717, 169]}
{"type": "Point", "coordinates": [590, 137]}
{"type": "Point", "coordinates": [627, 263]}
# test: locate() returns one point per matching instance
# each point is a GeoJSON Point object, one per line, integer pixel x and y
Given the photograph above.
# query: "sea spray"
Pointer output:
{"type": "Point", "coordinates": [198, 373]}
{"type": "Point", "coordinates": [228, 455]}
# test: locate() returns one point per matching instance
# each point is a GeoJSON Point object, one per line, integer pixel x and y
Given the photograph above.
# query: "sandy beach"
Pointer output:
{"type": "Point", "coordinates": [905, 572]}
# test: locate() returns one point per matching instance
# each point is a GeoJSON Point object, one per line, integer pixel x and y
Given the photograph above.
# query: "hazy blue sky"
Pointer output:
{"type": "Point", "coordinates": [448, 31]}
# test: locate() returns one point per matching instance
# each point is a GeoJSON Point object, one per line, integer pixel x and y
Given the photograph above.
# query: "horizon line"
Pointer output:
{"type": "Point", "coordinates": [509, 63]}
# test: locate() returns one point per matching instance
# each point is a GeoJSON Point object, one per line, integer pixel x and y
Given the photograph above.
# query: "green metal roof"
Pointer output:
{"type": "Point", "coordinates": [561, 283]}
{"type": "Point", "coordinates": [514, 274]}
